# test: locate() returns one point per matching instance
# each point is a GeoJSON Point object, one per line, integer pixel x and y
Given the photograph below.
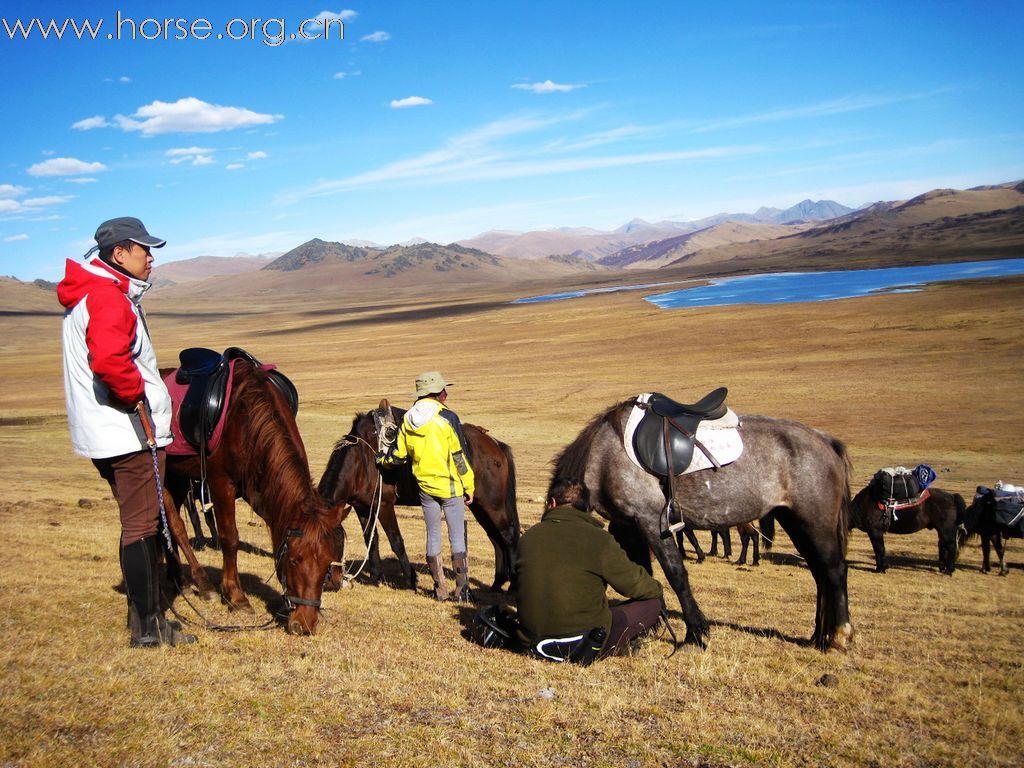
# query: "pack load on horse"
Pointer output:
{"type": "Point", "coordinates": [899, 487]}
{"type": "Point", "coordinates": [901, 501]}
{"type": "Point", "coordinates": [235, 434]}
{"type": "Point", "coordinates": [352, 478]}
{"type": "Point", "coordinates": [654, 465]}
{"type": "Point", "coordinates": [996, 514]}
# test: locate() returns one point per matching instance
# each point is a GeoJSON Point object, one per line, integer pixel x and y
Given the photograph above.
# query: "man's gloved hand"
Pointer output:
{"type": "Point", "coordinates": [385, 457]}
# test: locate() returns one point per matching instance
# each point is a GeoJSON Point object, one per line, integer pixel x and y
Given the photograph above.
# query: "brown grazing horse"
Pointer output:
{"type": "Point", "coordinates": [261, 459]}
{"type": "Point", "coordinates": [351, 477]}
{"type": "Point", "coordinates": [797, 473]}
{"type": "Point", "coordinates": [938, 510]}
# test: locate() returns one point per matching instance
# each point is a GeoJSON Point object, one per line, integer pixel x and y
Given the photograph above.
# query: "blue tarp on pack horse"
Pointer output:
{"type": "Point", "coordinates": [900, 500]}
{"type": "Point", "coordinates": [996, 514]}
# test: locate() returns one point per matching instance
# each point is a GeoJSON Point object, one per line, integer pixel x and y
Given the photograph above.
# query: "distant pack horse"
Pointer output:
{"type": "Point", "coordinates": [937, 509]}
{"type": "Point", "coordinates": [797, 473]}
{"type": "Point", "coordinates": [351, 477]}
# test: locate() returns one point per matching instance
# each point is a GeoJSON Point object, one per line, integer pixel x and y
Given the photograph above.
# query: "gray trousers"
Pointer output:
{"type": "Point", "coordinates": [454, 510]}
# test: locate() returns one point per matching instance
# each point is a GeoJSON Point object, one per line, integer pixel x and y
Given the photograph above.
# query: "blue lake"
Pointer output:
{"type": "Point", "coordinates": [791, 287]}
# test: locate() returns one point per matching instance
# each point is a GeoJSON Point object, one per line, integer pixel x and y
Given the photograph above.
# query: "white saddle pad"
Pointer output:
{"type": "Point", "coordinates": [721, 437]}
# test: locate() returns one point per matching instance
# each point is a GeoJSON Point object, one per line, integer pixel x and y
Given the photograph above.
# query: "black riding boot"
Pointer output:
{"type": "Point", "coordinates": [149, 628]}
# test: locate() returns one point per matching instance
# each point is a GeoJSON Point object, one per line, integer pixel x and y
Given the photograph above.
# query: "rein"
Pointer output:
{"type": "Point", "coordinates": [370, 531]}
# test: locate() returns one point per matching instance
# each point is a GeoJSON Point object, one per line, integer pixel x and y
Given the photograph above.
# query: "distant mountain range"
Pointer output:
{"type": "Point", "coordinates": [940, 225]}
{"type": "Point", "coordinates": [605, 247]}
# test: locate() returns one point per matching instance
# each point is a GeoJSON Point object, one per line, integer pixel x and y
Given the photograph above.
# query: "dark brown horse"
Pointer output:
{"type": "Point", "coordinates": [798, 473]}
{"type": "Point", "coordinates": [261, 459]}
{"type": "Point", "coordinates": [351, 477]}
{"type": "Point", "coordinates": [981, 520]}
{"type": "Point", "coordinates": [938, 510]}
{"type": "Point", "coordinates": [749, 539]}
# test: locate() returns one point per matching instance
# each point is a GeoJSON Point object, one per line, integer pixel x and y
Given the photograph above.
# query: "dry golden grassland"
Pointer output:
{"type": "Point", "coordinates": [934, 676]}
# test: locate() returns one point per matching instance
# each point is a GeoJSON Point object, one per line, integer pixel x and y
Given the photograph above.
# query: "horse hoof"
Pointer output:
{"type": "Point", "coordinates": [841, 642]}
{"type": "Point", "coordinates": [241, 607]}
{"type": "Point", "coordinates": [699, 640]}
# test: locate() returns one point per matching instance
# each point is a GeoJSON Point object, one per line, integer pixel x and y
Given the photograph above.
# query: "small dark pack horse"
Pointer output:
{"type": "Point", "coordinates": [872, 512]}
{"type": "Point", "coordinates": [797, 473]}
{"type": "Point", "coordinates": [260, 458]}
{"type": "Point", "coordinates": [996, 516]}
{"type": "Point", "coordinates": [351, 477]}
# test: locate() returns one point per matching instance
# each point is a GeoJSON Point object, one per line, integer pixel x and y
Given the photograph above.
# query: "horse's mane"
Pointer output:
{"type": "Point", "coordinates": [572, 461]}
{"type": "Point", "coordinates": [274, 462]}
{"type": "Point", "coordinates": [331, 478]}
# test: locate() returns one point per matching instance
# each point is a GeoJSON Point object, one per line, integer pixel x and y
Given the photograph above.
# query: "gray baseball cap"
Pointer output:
{"type": "Point", "coordinates": [118, 230]}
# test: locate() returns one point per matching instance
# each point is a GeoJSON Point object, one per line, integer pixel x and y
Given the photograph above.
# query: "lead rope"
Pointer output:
{"type": "Point", "coordinates": [370, 531]}
{"type": "Point", "coordinates": [147, 427]}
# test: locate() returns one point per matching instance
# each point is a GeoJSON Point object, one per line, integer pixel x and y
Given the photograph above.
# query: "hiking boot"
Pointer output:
{"type": "Point", "coordinates": [460, 564]}
{"type": "Point", "coordinates": [440, 592]}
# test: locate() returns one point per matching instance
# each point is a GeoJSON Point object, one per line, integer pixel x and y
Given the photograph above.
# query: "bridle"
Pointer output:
{"type": "Point", "coordinates": [291, 601]}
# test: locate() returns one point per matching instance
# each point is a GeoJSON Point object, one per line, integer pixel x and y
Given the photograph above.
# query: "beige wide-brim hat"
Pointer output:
{"type": "Point", "coordinates": [430, 383]}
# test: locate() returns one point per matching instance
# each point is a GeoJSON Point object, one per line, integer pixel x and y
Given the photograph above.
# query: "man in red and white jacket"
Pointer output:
{"type": "Point", "coordinates": [111, 384]}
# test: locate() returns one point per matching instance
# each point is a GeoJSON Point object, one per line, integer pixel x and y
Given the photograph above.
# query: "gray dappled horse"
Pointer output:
{"type": "Point", "coordinates": [798, 474]}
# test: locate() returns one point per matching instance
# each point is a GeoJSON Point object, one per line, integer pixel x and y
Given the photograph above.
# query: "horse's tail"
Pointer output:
{"type": "Point", "coordinates": [961, 521]}
{"type": "Point", "coordinates": [510, 492]}
{"type": "Point", "coordinates": [845, 504]}
{"type": "Point", "coordinates": [767, 526]}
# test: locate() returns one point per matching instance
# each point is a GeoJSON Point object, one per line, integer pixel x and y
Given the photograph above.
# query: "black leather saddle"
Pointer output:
{"type": "Point", "coordinates": [206, 373]}
{"type": "Point", "coordinates": [665, 438]}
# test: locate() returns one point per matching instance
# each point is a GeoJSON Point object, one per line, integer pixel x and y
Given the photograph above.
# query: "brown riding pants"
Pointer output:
{"type": "Point", "coordinates": [629, 620]}
{"type": "Point", "coordinates": [134, 487]}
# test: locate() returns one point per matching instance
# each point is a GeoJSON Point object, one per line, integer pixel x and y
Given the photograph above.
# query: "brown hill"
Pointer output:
{"type": "Point", "coordinates": [662, 252]}
{"type": "Point", "coordinates": [320, 270]}
{"type": "Point", "coordinates": [17, 297]}
{"type": "Point", "coordinates": [583, 243]}
{"type": "Point", "coordinates": [202, 267]}
{"type": "Point", "coordinates": [938, 226]}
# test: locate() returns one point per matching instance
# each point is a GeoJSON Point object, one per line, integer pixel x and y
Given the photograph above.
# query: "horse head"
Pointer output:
{"type": "Point", "coordinates": [304, 559]}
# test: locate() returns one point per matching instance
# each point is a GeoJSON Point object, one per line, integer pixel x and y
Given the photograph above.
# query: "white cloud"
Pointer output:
{"type": "Point", "coordinates": [191, 115]}
{"type": "Point", "coordinates": [375, 37]}
{"type": "Point", "coordinates": [124, 79]}
{"type": "Point", "coordinates": [194, 155]}
{"type": "Point", "coordinates": [82, 180]}
{"type": "Point", "coordinates": [91, 122]}
{"type": "Point", "coordinates": [486, 153]}
{"type": "Point", "coordinates": [343, 75]}
{"type": "Point", "coordinates": [41, 202]}
{"type": "Point", "coordinates": [258, 155]}
{"type": "Point", "coordinates": [234, 166]}
{"type": "Point", "coordinates": [547, 87]}
{"type": "Point", "coordinates": [31, 205]}
{"type": "Point", "coordinates": [16, 238]}
{"type": "Point", "coordinates": [411, 101]}
{"type": "Point", "coordinates": [65, 166]}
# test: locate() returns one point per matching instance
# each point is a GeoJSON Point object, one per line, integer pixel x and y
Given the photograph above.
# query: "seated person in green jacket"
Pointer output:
{"type": "Point", "coordinates": [565, 565]}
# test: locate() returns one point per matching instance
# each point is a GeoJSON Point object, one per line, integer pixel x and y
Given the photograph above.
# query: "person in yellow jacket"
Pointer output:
{"type": "Point", "coordinates": [431, 439]}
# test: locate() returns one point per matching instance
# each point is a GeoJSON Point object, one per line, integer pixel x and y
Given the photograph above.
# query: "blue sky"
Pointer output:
{"type": "Point", "coordinates": [446, 119]}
